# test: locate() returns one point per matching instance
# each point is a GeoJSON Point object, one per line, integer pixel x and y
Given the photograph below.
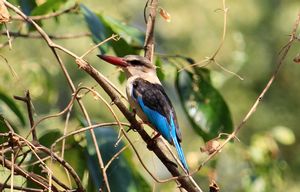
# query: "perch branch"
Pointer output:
{"type": "Point", "coordinates": [67, 75]}
{"type": "Point", "coordinates": [184, 180]}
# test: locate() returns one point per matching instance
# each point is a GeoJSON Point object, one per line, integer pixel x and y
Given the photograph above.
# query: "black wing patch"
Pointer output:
{"type": "Point", "coordinates": [154, 97]}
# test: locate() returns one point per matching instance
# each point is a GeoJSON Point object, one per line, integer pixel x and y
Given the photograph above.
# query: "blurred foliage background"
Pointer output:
{"type": "Point", "coordinates": [265, 159]}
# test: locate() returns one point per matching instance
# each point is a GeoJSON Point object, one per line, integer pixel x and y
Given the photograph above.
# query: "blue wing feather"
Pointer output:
{"type": "Point", "coordinates": [166, 129]}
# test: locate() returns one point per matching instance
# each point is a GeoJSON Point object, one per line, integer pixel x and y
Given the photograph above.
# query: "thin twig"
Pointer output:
{"type": "Point", "coordinates": [86, 129]}
{"type": "Point", "coordinates": [120, 126]}
{"type": "Point", "coordinates": [66, 165]}
{"type": "Point", "coordinates": [31, 176]}
{"type": "Point", "coordinates": [11, 69]}
{"type": "Point", "coordinates": [47, 16]}
{"type": "Point", "coordinates": [37, 148]}
{"type": "Point", "coordinates": [64, 141]}
{"type": "Point", "coordinates": [212, 59]}
{"type": "Point", "coordinates": [114, 37]}
{"type": "Point", "coordinates": [35, 162]}
{"type": "Point", "coordinates": [56, 180]}
{"type": "Point", "coordinates": [261, 95]}
{"type": "Point", "coordinates": [69, 80]}
{"type": "Point", "coordinates": [27, 189]}
{"type": "Point", "coordinates": [12, 173]}
{"type": "Point", "coordinates": [57, 114]}
{"type": "Point", "coordinates": [225, 10]}
{"type": "Point", "coordinates": [27, 100]}
{"type": "Point", "coordinates": [38, 36]}
{"type": "Point", "coordinates": [115, 156]}
{"type": "Point", "coordinates": [8, 36]}
{"type": "Point", "coordinates": [184, 181]}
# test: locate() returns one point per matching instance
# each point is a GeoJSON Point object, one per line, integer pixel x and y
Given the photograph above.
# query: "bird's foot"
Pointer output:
{"type": "Point", "coordinates": [156, 136]}
{"type": "Point", "coordinates": [152, 142]}
{"type": "Point", "coordinates": [134, 115]}
{"type": "Point", "coordinates": [139, 122]}
{"type": "Point", "coordinates": [134, 112]}
{"type": "Point", "coordinates": [130, 128]}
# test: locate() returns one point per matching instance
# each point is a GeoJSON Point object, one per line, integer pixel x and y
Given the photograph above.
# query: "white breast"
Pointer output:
{"type": "Point", "coordinates": [133, 103]}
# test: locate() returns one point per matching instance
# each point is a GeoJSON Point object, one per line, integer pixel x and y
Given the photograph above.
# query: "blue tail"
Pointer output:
{"type": "Point", "coordinates": [180, 152]}
{"type": "Point", "coordinates": [166, 129]}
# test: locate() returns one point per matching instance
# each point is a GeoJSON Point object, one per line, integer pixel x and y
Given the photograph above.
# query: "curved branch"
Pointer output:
{"type": "Point", "coordinates": [47, 16]}
{"type": "Point", "coordinates": [280, 63]}
{"type": "Point", "coordinates": [184, 180]}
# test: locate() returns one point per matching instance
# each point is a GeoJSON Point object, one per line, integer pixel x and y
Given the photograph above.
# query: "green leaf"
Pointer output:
{"type": "Point", "coordinates": [49, 137]}
{"type": "Point", "coordinates": [13, 106]}
{"type": "Point", "coordinates": [159, 69]}
{"type": "Point", "coordinates": [74, 156]}
{"type": "Point", "coordinates": [27, 6]}
{"type": "Point", "coordinates": [203, 104]}
{"type": "Point", "coordinates": [73, 152]}
{"type": "Point", "coordinates": [122, 175]}
{"type": "Point", "coordinates": [48, 6]}
{"type": "Point", "coordinates": [3, 129]}
{"type": "Point", "coordinates": [96, 27]}
{"type": "Point", "coordinates": [130, 36]}
{"type": "Point", "coordinates": [103, 27]}
{"type": "Point", "coordinates": [284, 135]}
{"type": "Point", "coordinates": [3, 126]}
{"type": "Point", "coordinates": [122, 77]}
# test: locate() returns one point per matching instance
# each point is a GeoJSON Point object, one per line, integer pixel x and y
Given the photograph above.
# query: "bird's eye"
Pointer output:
{"type": "Point", "coordinates": [136, 62]}
{"type": "Point", "coordinates": [135, 84]}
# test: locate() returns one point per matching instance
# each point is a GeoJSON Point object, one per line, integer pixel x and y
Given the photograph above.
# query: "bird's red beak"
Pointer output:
{"type": "Point", "coordinates": [118, 61]}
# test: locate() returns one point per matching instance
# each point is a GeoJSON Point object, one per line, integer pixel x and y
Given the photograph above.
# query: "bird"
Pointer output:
{"type": "Point", "coordinates": [148, 98]}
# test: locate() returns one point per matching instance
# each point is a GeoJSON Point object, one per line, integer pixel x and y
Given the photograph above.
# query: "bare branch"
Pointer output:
{"type": "Point", "coordinates": [27, 189]}
{"type": "Point", "coordinates": [252, 110]}
{"type": "Point", "coordinates": [31, 176]}
{"type": "Point", "coordinates": [183, 179]}
{"type": "Point", "coordinates": [149, 39]}
{"type": "Point", "coordinates": [69, 80]}
{"type": "Point", "coordinates": [27, 100]}
{"type": "Point", "coordinates": [38, 36]}
{"type": "Point", "coordinates": [85, 129]}
{"type": "Point", "coordinates": [114, 37]}
{"type": "Point", "coordinates": [48, 16]}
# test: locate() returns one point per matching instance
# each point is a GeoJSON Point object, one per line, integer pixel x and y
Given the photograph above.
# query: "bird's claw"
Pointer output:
{"type": "Point", "coordinates": [134, 112]}
{"type": "Point", "coordinates": [152, 142]}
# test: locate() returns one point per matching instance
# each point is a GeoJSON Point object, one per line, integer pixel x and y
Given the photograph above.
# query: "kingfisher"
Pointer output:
{"type": "Point", "coordinates": [148, 98]}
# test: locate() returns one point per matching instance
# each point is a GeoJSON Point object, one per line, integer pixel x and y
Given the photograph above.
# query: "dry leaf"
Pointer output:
{"type": "Point", "coordinates": [165, 14]}
{"type": "Point", "coordinates": [213, 187]}
{"type": "Point", "coordinates": [297, 59]}
{"type": "Point", "coordinates": [210, 146]}
{"type": "Point", "coordinates": [4, 15]}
